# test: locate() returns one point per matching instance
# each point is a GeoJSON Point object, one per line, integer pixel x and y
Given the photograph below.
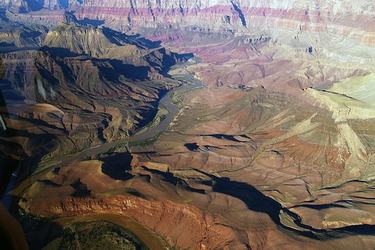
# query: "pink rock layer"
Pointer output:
{"type": "Point", "coordinates": [246, 18]}
{"type": "Point", "coordinates": [283, 20]}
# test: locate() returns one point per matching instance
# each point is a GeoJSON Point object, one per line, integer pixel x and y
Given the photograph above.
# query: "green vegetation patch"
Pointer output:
{"type": "Point", "coordinates": [96, 236]}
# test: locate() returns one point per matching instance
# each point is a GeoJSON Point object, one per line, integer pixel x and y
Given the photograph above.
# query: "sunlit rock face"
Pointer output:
{"type": "Point", "coordinates": [23, 6]}
{"type": "Point", "coordinates": [236, 13]}
{"type": "Point", "coordinates": [344, 18]}
{"type": "Point", "coordinates": [327, 27]}
{"type": "Point", "coordinates": [222, 14]}
{"type": "Point", "coordinates": [79, 81]}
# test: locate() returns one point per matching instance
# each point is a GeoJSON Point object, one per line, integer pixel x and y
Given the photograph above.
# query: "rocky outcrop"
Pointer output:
{"type": "Point", "coordinates": [344, 17]}
{"type": "Point", "coordinates": [108, 44]}
{"type": "Point", "coordinates": [18, 35]}
{"type": "Point", "coordinates": [206, 211]}
{"type": "Point", "coordinates": [15, 5]}
{"type": "Point", "coordinates": [321, 26]}
{"type": "Point", "coordinates": [83, 87]}
{"type": "Point", "coordinates": [328, 27]}
{"type": "Point", "coordinates": [24, 6]}
{"type": "Point", "coordinates": [281, 135]}
{"type": "Point", "coordinates": [268, 17]}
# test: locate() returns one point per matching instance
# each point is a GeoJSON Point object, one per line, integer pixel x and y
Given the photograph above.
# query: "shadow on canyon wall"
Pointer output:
{"type": "Point", "coordinates": [257, 201]}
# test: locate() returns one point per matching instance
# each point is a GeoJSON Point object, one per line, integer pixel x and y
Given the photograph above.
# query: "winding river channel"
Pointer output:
{"type": "Point", "coordinates": [152, 241]}
{"type": "Point", "coordinates": [189, 82]}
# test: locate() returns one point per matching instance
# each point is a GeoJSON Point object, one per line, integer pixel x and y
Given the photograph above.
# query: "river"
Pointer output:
{"type": "Point", "coordinates": [189, 82]}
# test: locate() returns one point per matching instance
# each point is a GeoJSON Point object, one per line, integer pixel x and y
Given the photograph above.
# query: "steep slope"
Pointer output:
{"type": "Point", "coordinates": [73, 99]}
{"type": "Point", "coordinates": [328, 27]}
{"type": "Point", "coordinates": [109, 44]}
{"type": "Point", "coordinates": [275, 150]}
{"type": "Point", "coordinates": [18, 35]}
{"type": "Point", "coordinates": [24, 6]}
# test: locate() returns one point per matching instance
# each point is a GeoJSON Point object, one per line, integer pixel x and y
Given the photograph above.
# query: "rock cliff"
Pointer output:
{"type": "Point", "coordinates": [81, 86]}
{"type": "Point", "coordinates": [327, 26]}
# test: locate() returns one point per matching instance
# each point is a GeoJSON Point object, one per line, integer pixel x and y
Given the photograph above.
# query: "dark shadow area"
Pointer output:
{"type": "Point", "coordinates": [39, 232]}
{"type": "Point", "coordinates": [257, 201]}
{"type": "Point", "coordinates": [207, 148]}
{"type": "Point", "coordinates": [117, 166]}
{"type": "Point", "coordinates": [35, 5]}
{"type": "Point", "coordinates": [128, 70]}
{"type": "Point", "coordinates": [91, 22]}
{"type": "Point", "coordinates": [148, 115]}
{"type": "Point", "coordinates": [9, 93]}
{"type": "Point", "coordinates": [64, 3]}
{"type": "Point", "coordinates": [8, 166]}
{"type": "Point", "coordinates": [7, 44]}
{"type": "Point", "coordinates": [168, 60]}
{"type": "Point", "coordinates": [321, 206]}
{"type": "Point", "coordinates": [173, 59]}
{"type": "Point", "coordinates": [185, 57]}
{"type": "Point", "coordinates": [49, 183]}
{"type": "Point", "coordinates": [6, 239]}
{"type": "Point", "coordinates": [254, 199]}
{"type": "Point", "coordinates": [30, 35]}
{"type": "Point", "coordinates": [59, 52]}
{"type": "Point", "coordinates": [12, 236]}
{"type": "Point", "coordinates": [24, 165]}
{"type": "Point", "coordinates": [146, 42]}
{"type": "Point", "coordinates": [47, 75]}
{"type": "Point", "coordinates": [170, 178]}
{"type": "Point", "coordinates": [80, 189]}
{"type": "Point", "coordinates": [8, 49]}
{"type": "Point", "coordinates": [117, 37]}
{"type": "Point", "coordinates": [237, 9]}
{"type": "Point", "coordinates": [343, 184]}
{"type": "Point", "coordinates": [192, 146]}
{"type": "Point", "coordinates": [15, 164]}
{"type": "Point", "coordinates": [359, 229]}
{"type": "Point", "coordinates": [120, 69]}
{"type": "Point", "coordinates": [70, 18]}
{"type": "Point", "coordinates": [135, 193]}
{"type": "Point", "coordinates": [225, 137]}
{"type": "Point", "coordinates": [3, 16]}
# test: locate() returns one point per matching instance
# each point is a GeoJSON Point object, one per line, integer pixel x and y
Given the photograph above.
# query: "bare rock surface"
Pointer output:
{"type": "Point", "coordinates": [266, 139]}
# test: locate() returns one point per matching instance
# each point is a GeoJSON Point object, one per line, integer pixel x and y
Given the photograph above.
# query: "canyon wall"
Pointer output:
{"type": "Point", "coordinates": [328, 27]}
{"type": "Point", "coordinates": [341, 17]}
{"type": "Point", "coordinates": [237, 14]}
{"type": "Point", "coordinates": [341, 29]}
{"type": "Point", "coordinates": [24, 6]}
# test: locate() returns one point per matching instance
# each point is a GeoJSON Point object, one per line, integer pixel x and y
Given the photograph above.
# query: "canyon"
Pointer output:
{"type": "Point", "coordinates": [207, 124]}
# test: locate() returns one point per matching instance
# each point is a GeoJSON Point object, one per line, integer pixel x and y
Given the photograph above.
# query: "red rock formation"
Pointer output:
{"type": "Point", "coordinates": [69, 97]}
{"type": "Point", "coordinates": [328, 27]}
{"type": "Point", "coordinates": [244, 17]}
{"type": "Point", "coordinates": [286, 155]}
